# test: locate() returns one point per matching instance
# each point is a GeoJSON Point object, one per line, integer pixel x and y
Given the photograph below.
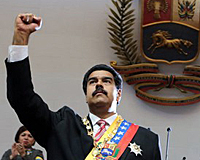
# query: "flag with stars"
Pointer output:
{"type": "Point", "coordinates": [121, 131]}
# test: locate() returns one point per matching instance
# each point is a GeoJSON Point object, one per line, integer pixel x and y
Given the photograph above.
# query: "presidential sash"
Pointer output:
{"type": "Point", "coordinates": [114, 141]}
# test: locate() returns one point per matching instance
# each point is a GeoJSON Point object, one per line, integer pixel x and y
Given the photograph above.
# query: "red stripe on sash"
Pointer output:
{"type": "Point", "coordinates": [126, 139]}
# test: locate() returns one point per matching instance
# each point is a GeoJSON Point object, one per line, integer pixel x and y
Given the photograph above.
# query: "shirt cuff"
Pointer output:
{"type": "Point", "coordinates": [17, 53]}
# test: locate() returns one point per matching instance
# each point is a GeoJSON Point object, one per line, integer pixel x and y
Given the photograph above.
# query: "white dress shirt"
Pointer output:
{"type": "Point", "coordinates": [95, 119]}
{"type": "Point", "coordinates": [17, 53]}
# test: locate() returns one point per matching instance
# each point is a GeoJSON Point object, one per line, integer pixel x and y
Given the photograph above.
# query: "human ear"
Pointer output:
{"type": "Point", "coordinates": [119, 94]}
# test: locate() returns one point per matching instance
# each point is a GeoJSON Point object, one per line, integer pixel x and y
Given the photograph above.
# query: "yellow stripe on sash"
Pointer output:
{"type": "Point", "coordinates": [107, 136]}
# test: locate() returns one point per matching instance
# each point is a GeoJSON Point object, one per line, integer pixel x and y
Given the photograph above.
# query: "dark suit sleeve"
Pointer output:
{"type": "Point", "coordinates": [32, 111]}
{"type": "Point", "coordinates": [157, 152]}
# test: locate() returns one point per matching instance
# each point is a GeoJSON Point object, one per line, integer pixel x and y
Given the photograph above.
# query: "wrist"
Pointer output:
{"type": "Point", "coordinates": [20, 38]}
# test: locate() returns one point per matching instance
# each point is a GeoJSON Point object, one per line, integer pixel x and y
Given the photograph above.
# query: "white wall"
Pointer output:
{"type": "Point", "coordinates": [73, 38]}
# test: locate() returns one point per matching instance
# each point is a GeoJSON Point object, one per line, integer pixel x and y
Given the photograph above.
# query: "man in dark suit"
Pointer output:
{"type": "Point", "coordinates": [64, 134]}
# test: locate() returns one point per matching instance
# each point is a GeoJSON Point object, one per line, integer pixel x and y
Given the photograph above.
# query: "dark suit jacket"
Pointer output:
{"type": "Point", "coordinates": [61, 133]}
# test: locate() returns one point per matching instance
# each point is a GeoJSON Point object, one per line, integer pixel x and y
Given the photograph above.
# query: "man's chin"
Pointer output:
{"type": "Point", "coordinates": [100, 103]}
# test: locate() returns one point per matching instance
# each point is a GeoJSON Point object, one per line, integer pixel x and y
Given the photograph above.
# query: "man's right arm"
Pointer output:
{"type": "Point", "coordinates": [29, 106]}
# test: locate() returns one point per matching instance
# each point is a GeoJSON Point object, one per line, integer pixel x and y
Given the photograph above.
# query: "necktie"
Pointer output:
{"type": "Point", "coordinates": [102, 123]}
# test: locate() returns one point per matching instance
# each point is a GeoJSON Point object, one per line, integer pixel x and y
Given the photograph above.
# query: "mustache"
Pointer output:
{"type": "Point", "coordinates": [99, 90]}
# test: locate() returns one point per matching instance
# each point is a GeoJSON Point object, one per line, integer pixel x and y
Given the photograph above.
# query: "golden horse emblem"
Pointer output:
{"type": "Point", "coordinates": [164, 39]}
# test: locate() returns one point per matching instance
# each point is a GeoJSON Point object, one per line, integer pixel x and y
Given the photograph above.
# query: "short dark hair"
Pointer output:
{"type": "Point", "coordinates": [19, 131]}
{"type": "Point", "coordinates": [117, 77]}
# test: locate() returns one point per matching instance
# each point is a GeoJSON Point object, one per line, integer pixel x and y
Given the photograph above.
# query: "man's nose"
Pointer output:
{"type": "Point", "coordinates": [99, 86]}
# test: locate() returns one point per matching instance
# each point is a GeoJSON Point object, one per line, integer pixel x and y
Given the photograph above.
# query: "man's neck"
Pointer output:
{"type": "Point", "coordinates": [103, 115]}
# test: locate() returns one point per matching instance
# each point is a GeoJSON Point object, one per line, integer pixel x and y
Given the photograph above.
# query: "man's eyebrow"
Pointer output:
{"type": "Point", "coordinates": [108, 78]}
{"type": "Point", "coordinates": [94, 78]}
{"type": "Point", "coordinates": [91, 78]}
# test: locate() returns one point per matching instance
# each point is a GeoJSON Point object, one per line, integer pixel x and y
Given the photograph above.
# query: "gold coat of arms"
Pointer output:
{"type": "Point", "coordinates": [170, 30]}
{"type": "Point", "coordinates": [170, 34]}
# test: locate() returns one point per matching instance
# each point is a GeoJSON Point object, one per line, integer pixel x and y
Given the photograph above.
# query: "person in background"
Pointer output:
{"type": "Point", "coordinates": [101, 135]}
{"type": "Point", "coordinates": [23, 149]}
